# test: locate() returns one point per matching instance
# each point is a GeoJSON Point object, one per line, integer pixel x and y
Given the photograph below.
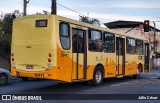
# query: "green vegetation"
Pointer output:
{"type": "Point", "coordinates": [93, 21]}
{"type": "Point", "coordinates": [6, 34]}
{"type": "Point", "coordinates": [5, 39]}
{"type": "Point", "coordinates": [0, 25]}
{"type": "Point", "coordinates": [0, 28]}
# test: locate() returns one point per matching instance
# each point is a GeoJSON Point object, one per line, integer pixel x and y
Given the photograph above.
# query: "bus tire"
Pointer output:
{"type": "Point", "coordinates": [97, 77]}
{"type": "Point", "coordinates": [24, 78]}
{"type": "Point", "coordinates": [139, 69]}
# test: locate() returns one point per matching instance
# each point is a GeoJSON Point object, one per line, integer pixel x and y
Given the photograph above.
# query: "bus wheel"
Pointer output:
{"type": "Point", "coordinates": [138, 72]}
{"type": "Point", "coordinates": [24, 78]}
{"type": "Point", "coordinates": [97, 77]}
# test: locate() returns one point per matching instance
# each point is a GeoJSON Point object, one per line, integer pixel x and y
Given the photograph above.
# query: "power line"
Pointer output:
{"type": "Point", "coordinates": [72, 10]}
{"type": "Point", "coordinates": [80, 14]}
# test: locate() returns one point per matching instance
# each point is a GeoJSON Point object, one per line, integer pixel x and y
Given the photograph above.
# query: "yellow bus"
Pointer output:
{"type": "Point", "coordinates": [62, 49]}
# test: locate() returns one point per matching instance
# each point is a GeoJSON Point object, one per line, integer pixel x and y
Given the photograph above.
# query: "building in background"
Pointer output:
{"type": "Point", "coordinates": [136, 29]}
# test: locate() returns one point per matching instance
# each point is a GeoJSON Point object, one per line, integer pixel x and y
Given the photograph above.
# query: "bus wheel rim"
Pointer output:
{"type": "Point", "coordinates": [98, 76]}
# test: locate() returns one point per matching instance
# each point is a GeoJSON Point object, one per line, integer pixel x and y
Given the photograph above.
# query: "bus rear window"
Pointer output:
{"type": "Point", "coordinates": [41, 23]}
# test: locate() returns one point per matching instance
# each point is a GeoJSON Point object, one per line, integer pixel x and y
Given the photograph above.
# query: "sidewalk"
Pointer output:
{"type": "Point", "coordinates": [154, 73]}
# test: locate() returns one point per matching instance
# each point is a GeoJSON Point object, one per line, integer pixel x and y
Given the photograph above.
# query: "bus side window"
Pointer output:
{"type": "Point", "coordinates": [95, 41]}
{"type": "Point", "coordinates": [139, 47]}
{"type": "Point", "coordinates": [109, 43]}
{"type": "Point", "coordinates": [74, 44]}
{"type": "Point", "coordinates": [131, 46]}
{"type": "Point", "coordinates": [64, 36]}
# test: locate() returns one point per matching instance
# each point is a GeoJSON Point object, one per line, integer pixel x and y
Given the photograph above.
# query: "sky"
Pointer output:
{"type": "Point", "coordinates": [104, 10]}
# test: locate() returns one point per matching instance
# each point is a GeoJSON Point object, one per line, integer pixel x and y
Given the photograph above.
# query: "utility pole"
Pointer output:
{"type": "Point", "coordinates": [25, 2]}
{"type": "Point", "coordinates": [155, 44]}
{"type": "Point", "coordinates": [154, 37]}
{"type": "Point", "coordinates": [54, 7]}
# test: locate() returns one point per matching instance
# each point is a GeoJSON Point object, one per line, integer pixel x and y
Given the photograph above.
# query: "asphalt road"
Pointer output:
{"type": "Point", "coordinates": [147, 84]}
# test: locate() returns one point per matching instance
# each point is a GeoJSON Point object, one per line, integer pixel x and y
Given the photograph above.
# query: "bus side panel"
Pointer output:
{"type": "Point", "coordinates": [93, 58]}
{"type": "Point", "coordinates": [64, 59]}
{"type": "Point", "coordinates": [131, 65]}
{"type": "Point", "coordinates": [110, 65]}
{"type": "Point", "coordinates": [132, 62]}
{"type": "Point", "coordinates": [143, 68]}
{"type": "Point", "coordinates": [107, 60]}
{"type": "Point", "coordinates": [140, 60]}
{"type": "Point", "coordinates": [64, 65]}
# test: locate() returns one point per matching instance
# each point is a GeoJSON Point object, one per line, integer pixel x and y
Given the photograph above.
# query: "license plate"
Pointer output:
{"type": "Point", "coordinates": [29, 67]}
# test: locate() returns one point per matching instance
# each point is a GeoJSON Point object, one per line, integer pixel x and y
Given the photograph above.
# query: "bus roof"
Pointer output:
{"type": "Point", "coordinates": [99, 28]}
{"type": "Point", "coordinates": [65, 19]}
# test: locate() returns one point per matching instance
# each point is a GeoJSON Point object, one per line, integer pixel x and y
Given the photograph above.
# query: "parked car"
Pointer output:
{"type": "Point", "coordinates": [4, 76]}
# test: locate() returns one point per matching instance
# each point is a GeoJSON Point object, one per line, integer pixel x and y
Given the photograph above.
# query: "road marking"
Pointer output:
{"type": "Point", "coordinates": [136, 82]}
{"type": "Point", "coordinates": [151, 74]}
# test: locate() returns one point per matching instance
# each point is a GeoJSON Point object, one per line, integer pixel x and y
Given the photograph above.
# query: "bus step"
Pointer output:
{"type": "Point", "coordinates": [78, 80]}
{"type": "Point", "coordinates": [119, 76]}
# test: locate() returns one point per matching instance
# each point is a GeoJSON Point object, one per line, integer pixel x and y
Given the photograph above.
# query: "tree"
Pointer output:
{"type": "Point", "coordinates": [46, 12]}
{"type": "Point", "coordinates": [93, 21]}
{"type": "Point", "coordinates": [5, 48]}
{"type": "Point", "coordinates": [7, 24]}
{"type": "Point", "coordinates": [0, 28]}
{"type": "Point", "coordinates": [6, 34]}
{"type": "Point", "coordinates": [43, 12]}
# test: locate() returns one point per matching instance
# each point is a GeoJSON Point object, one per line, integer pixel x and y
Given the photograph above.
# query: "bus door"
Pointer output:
{"type": "Point", "coordinates": [79, 54]}
{"type": "Point", "coordinates": [120, 55]}
{"type": "Point", "coordinates": [146, 57]}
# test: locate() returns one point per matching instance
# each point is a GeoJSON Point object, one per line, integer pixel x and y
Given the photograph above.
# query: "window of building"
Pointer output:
{"type": "Point", "coordinates": [109, 43]}
{"type": "Point", "coordinates": [139, 47]}
{"type": "Point", "coordinates": [64, 36]}
{"type": "Point", "coordinates": [95, 40]}
{"type": "Point", "coordinates": [131, 44]}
